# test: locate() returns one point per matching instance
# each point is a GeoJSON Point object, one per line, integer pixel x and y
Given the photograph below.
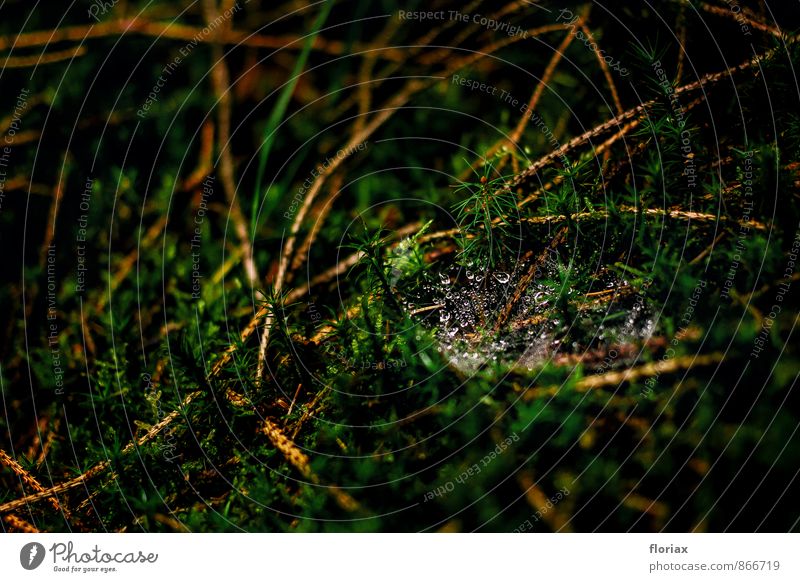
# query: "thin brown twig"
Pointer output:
{"type": "Point", "coordinates": [308, 411]}
{"type": "Point", "coordinates": [615, 378]}
{"type": "Point", "coordinates": [55, 204]}
{"type": "Point", "coordinates": [335, 189]}
{"type": "Point", "coordinates": [435, 56]}
{"type": "Point", "coordinates": [174, 31]}
{"type": "Point", "coordinates": [24, 476]}
{"type": "Point", "coordinates": [648, 370]}
{"type": "Point", "coordinates": [294, 399]}
{"type": "Point", "coordinates": [390, 68]}
{"type": "Point", "coordinates": [39, 449]}
{"type": "Point", "coordinates": [426, 309]}
{"type": "Point", "coordinates": [365, 87]}
{"type": "Point", "coordinates": [540, 502]}
{"type": "Point", "coordinates": [126, 264]}
{"type": "Point", "coordinates": [297, 458]}
{"type": "Point", "coordinates": [171, 522]}
{"type": "Point", "coordinates": [86, 333]}
{"type": "Point", "coordinates": [326, 331]}
{"type": "Point", "coordinates": [544, 82]}
{"type": "Point", "coordinates": [617, 120]}
{"type": "Point", "coordinates": [300, 461]}
{"type": "Point", "coordinates": [25, 137]}
{"type": "Point", "coordinates": [220, 80]}
{"type": "Point", "coordinates": [23, 183]}
{"type": "Point", "coordinates": [31, 102]}
{"type": "Point", "coordinates": [679, 214]}
{"type": "Point", "coordinates": [442, 53]}
{"type": "Point", "coordinates": [656, 509]}
{"type": "Point", "coordinates": [49, 232]}
{"type": "Point", "coordinates": [603, 147]}
{"type": "Point", "coordinates": [604, 67]}
{"type": "Point", "coordinates": [205, 161]}
{"type": "Point", "coordinates": [605, 214]}
{"type": "Point", "coordinates": [526, 279]}
{"type": "Point", "coordinates": [741, 17]}
{"type": "Point", "coordinates": [35, 447]}
{"type": "Point", "coordinates": [681, 26]}
{"type": "Point", "coordinates": [707, 251]}
{"type": "Point", "coordinates": [537, 93]}
{"type": "Point", "coordinates": [17, 524]}
{"type": "Point", "coordinates": [598, 299]}
{"type": "Point", "coordinates": [43, 59]}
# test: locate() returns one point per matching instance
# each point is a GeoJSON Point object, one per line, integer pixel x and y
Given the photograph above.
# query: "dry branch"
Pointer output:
{"type": "Point", "coordinates": [17, 524]}
{"type": "Point", "coordinates": [100, 467]}
{"type": "Point", "coordinates": [649, 370]}
{"type": "Point", "coordinates": [43, 59]}
{"type": "Point", "coordinates": [220, 80]}
{"type": "Point", "coordinates": [24, 476]}
{"type": "Point", "coordinates": [299, 460]}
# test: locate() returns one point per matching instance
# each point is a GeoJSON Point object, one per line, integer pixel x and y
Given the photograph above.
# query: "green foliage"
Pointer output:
{"type": "Point", "coordinates": [486, 218]}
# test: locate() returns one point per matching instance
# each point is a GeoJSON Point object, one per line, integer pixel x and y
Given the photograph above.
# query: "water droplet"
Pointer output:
{"type": "Point", "coordinates": [470, 275]}
{"type": "Point", "coordinates": [444, 278]}
{"type": "Point", "coordinates": [444, 316]}
{"type": "Point", "coordinates": [502, 277]}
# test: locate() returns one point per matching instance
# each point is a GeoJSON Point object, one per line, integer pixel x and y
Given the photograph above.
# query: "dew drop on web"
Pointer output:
{"type": "Point", "coordinates": [502, 277]}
